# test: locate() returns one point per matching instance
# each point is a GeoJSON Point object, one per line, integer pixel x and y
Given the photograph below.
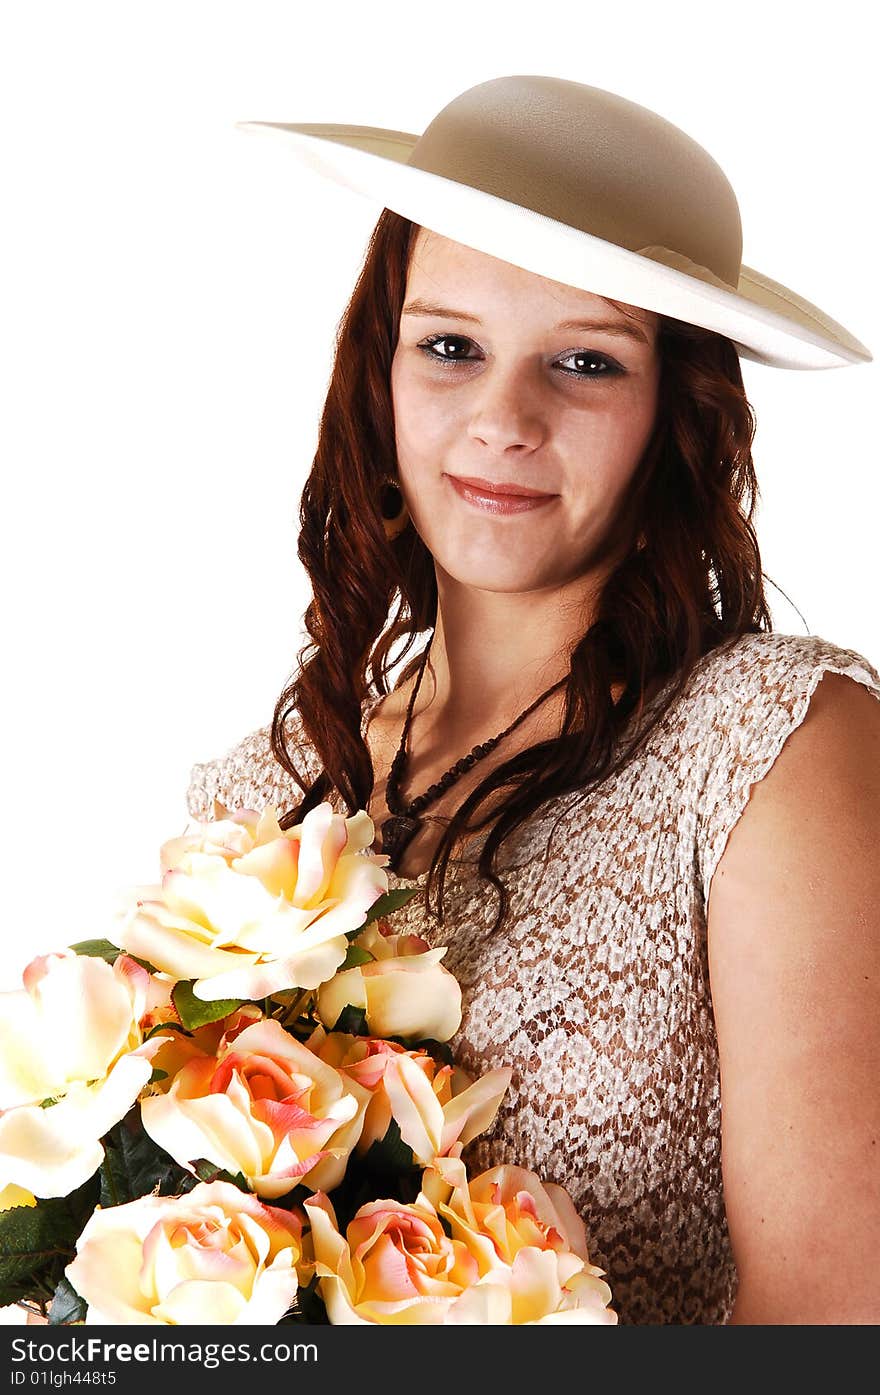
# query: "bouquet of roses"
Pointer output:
{"type": "Point", "coordinates": [242, 1108]}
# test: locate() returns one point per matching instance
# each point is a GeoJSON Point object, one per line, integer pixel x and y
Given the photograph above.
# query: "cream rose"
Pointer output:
{"type": "Point", "coordinates": [264, 1106]}
{"type": "Point", "coordinates": [459, 1261]}
{"type": "Point", "coordinates": [247, 909]}
{"type": "Point", "coordinates": [404, 989]}
{"type": "Point", "coordinates": [72, 1062]}
{"type": "Point", "coordinates": [434, 1106]}
{"type": "Point", "coordinates": [216, 1255]}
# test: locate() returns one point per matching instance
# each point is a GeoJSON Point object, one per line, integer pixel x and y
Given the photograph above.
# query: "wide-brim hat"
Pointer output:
{"type": "Point", "coordinates": [588, 188]}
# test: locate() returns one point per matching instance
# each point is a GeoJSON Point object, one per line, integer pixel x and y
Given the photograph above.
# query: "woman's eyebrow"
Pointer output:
{"type": "Point", "coordinates": [626, 328]}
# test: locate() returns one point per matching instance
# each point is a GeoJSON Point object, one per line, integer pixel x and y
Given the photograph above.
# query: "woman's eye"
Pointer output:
{"type": "Point", "coordinates": [590, 365]}
{"type": "Point", "coordinates": [428, 346]}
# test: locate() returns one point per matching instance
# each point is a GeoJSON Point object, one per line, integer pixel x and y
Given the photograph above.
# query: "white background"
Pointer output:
{"type": "Point", "coordinates": [170, 291]}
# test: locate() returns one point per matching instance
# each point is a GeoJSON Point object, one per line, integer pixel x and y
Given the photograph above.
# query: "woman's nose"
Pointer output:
{"type": "Point", "coordinates": [505, 411]}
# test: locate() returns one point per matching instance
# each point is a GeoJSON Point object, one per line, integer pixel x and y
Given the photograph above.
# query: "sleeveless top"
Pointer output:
{"type": "Point", "coordinates": [596, 991]}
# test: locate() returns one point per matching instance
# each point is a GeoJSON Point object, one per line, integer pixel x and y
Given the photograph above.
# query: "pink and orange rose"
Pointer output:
{"type": "Point", "coordinates": [263, 1106]}
{"type": "Point", "coordinates": [508, 1217]}
{"type": "Point", "coordinates": [454, 1261]}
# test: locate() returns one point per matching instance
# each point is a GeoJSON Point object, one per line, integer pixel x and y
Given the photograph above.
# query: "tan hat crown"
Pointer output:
{"type": "Point", "coordinates": [595, 161]}
{"type": "Point", "coordinates": [590, 189]}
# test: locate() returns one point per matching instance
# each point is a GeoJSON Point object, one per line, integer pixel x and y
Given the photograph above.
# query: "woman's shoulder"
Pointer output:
{"type": "Point", "coordinates": [743, 699]}
{"type": "Point", "coordinates": [740, 701]}
{"type": "Point", "coordinates": [249, 775]}
{"type": "Point", "coordinates": [755, 673]}
{"type": "Point", "coordinates": [747, 699]}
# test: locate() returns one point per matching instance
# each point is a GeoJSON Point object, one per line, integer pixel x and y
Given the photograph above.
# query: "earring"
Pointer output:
{"type": "Point", "coordinates": [392, 506]}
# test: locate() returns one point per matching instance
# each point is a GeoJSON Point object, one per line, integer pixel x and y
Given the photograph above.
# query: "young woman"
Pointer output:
{"type": "Point", "coordinates": [645, 823]}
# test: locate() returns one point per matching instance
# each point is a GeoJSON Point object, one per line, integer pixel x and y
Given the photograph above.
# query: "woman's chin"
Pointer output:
{"type": "Point", "coordinates": [505, 577]}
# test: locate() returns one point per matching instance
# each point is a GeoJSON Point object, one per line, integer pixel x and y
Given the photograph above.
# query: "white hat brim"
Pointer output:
{"type": "Point", "coordinates": [768, 322]}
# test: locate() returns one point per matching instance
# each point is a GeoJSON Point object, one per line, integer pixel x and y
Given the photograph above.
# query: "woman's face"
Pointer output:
{"type": "Point", "coordinates": [487, 384]}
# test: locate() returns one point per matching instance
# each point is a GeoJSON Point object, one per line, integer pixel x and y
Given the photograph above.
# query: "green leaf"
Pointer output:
{"type": "Point", "coordinates": [193, 1012]}
{"type": "Point", "coordinates": [208, 1171]}
{"type": "Point", "coordinates": [103, 949]}
{"type": "Point", "coordinates": [97, 949]}
{"type": "Point", "coordinates": [157, 1075]}
{"type": "Point", "coordinates": [390, 902]}
{"type": "Point", "coordinates": [134, 1165]}
{"type": "Point", "coordinates": [393, 901]}
{"type": "Point", "coordinates": [355, 956]}
{"type": "Point", "coordinates": [37, 1242]}
{"type": "Point", "coordinates": [67, 1306]}
{"type": "Point", "coordinates": [163, 1027]}
{"type": "Point", "coordinates": [352, 1020]}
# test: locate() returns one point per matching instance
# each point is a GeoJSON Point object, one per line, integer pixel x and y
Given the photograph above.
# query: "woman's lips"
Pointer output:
{"type": "Point", "coordinates": [492, 502]}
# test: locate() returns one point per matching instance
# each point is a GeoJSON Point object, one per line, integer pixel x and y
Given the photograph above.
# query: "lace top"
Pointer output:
{"type": "Point", "coordinates": [597, 991]}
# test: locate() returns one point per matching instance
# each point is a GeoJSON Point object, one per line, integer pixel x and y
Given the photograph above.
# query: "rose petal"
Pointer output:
{"type": "Point", "coordinates": [415, 1107]}
{"type": "Point", "coordinates": [469, 1113]}
{"type": "Point", "coordinates": [52, 1151]}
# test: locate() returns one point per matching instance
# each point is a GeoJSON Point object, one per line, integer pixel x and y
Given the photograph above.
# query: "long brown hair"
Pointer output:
{"type": "Point", "coordinates": [692, 581]}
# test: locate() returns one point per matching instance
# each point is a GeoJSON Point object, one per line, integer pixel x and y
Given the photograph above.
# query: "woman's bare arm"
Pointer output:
{"type": "Point", "coordinates": [794, 955]}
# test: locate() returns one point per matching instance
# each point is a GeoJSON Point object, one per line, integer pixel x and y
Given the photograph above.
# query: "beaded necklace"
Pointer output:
{"type": "Point", "coordinates": [405, 821]}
